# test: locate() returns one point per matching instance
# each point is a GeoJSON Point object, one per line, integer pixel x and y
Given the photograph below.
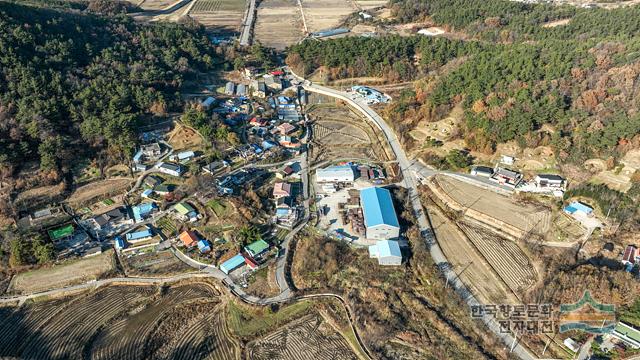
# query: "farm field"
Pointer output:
{"type": "Point", "coordinates": [340, 133]}
{"type": "Point", "coordinates": [184, 138]}
{"type": "Point", "coordinates": [97, 190]}
{"type": "Point", "coordinates": [219, 16]}
{"type": "Point", "coordinates": [370, 4]}
{"type": "Point", "coordinates": [504, 256]}
{"type": "Point", "coordinates": [73, 272]}
{"type": "Point", "coordinates": [326, 14]}
{"type": "Point", "coordinates": [466, 261]}
{"type": "Point", "coordinates": [308, 338]}
{"type": "Point", "coordinates": [157, 263]}
{"type": "Point", "coordinates": [181, 321]}
{"type": "Point", "coordinates": [154, 4]}
{"type": "Point", "coordinates": [278, 23]}
{"type": "Point", "coordinates": [524, 217]}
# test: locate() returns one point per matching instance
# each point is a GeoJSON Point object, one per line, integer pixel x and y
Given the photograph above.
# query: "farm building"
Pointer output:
{"type": "Point", "coordinates": [259, 88]}
{"type": "Point", "coordinates": [550, 181]}
{"type": "Point", "coordinates": [164, 189]}
{"type": "Point", "coordinates": [214, 167]}
{"type": "Point", "coordinates": [115, 215]}
{"type": "Point", "coordinates": [208, 102]}
{"type": "Point", "coordinates": [387, 252]}
{"type": "Point", "coordinates": [343, 173]}
{"type": "Point", "coordinates": [140, 167]}
{"type": "Point", "coordinates": [137, 157]}
{"type": "Point", "coordinates": [147, 193]}
{"type": "Point", "coordinates": [571, 344]}
{"type": "Point", "coordinates": [286, 128]}
{"type": "Point", "coordinates": [142, 211]}
{"type": "Point", "coordinates": [506, 177]}
{"type": "Point", "coordinates": [627, 334]}
{"type": "Point", "coordinates": [257, 248]}
{"type": "Point", "coordinates": [185, 155]}
{"type": "Point", "coordinates": [119, 244]}
{"type": "Point", "coordinates": [138, 236]}
{"type": "Point", "coordinates": [232, 264]}
{"type": "Point", "coordinates": [171, 169]}
{"type": "Point", "coordinates": [152, 181]}
{"type": "Point", "coordinates": [61, 232]}
{"type": "Point", "coordinates": [151, 150]}
{"type": "Point", "coordinates": [241, 90]}
{"type": "Point", "coordinates": [204, 246]}
{"type": "Point", "coordinates": [186, 211]}
{"type": "Point", "coordinates": [482, 171]}
{"type": "Point", "coordinates": [380, 217]}
{"type": "Point", "coordinates": [230, 88]}
{"type": "Point", "coordinates": [327, 33]}
{"type": "Point", "coordinates": [281, 190]}
{"type": "Point", "coordinates": [578, 208]}
{"type": "Point", "coordinates": [630, 255]}
{"type": "Point", "coordinates": [188, 238]}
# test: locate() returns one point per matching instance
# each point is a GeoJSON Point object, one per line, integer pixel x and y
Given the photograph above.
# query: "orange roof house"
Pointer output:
{"type": "Point", "coordinates": [189, 238]}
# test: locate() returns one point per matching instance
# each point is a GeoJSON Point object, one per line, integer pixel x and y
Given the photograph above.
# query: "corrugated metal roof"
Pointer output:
{"type": "Point", "coordinates": [388, 248]}
{"type": "Point", "coordinates": [139, 235]}
{"type": "Point", "coordinates": [257, 247]}
{"type": "Point", "coordinates": [378, 207]}
{"type": "Point", "coordinates": [232, 263]}
{"type": "Point", "coordinates": [336, 172]}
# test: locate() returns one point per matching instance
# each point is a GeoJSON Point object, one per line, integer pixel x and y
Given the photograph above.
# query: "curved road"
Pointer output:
{"type": "Point", "coordinates": [423, 223]}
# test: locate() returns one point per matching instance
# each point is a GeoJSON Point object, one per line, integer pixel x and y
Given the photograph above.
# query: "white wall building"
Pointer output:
{"type": "Point", "coordinates": [387, 252]}
{"type": "Point", "coordinates": [380, 217]}
{"type": "Point", "coordinates": [342, 173]}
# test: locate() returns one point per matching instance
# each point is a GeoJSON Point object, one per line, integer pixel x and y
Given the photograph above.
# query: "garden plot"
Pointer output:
{"type": "Point", "coordinates": [308, 338]}
{"type": "Point", "coordinates": [219, 15]}
{"type": "Point", "coordinates": [98, 190]}
{"type": "Point", "coordinates": [278, 24]}
{"type": "Point", "coordinates": [122, 322]}
{"type": "Point", "coordinates": [157, 263]}
{"type": "Point", "coordinates": [155, 4]}
{"type": "Point", "coordinates": [466, 261]}
{"type": "Point", "coordinates": [370, 4]}
{"type": "Point", "coordinates": [504, 256]}
{"type": "Point", "coordinates": [326, 14]}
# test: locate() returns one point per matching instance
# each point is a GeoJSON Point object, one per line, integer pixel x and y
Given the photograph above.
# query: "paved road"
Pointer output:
{"type": "Point", "coordinates": [422, 221]}
{"type": "Point", "coordinates": [247, 24]}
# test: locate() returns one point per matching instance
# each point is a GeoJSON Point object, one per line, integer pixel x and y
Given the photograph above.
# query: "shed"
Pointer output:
{"type": "Point", "coordinates": [139, 235]}
{"type": "Point", "coordinates": [387, 252]}
{"type": "Point", "coordinates": [343, 173]}
{"type": "Point", "coordinates": [232, 264]}
{"type": "Point", "coordinates": [571, 344]}
{"type": "Point", "coordinates": [119, 243]}
{"type": "Point", "coordinates": [204, 246]}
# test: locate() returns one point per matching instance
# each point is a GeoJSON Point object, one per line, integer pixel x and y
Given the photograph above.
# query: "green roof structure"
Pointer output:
{"type": "Point", "coordinates": [185, 209]}
{"type": "Point", "coordinates": [628, 332]}
{"type": "Point", "coordinates": [61, 232]}
{"type": "Point", "coordinates": [256, 248]}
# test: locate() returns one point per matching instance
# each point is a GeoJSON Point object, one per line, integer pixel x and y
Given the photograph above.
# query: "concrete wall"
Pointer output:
{"type": "Point", "coordinates": [390, 260]}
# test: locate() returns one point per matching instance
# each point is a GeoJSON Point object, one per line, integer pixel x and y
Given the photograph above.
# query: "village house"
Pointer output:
{"type": "Point", "coordinates": [281, 190]}
{"type": "Point", "coordinates": [550, 181]}
{"type": "Point", "coordinates": [506, 177]}
{"type": "Point", "coordinates": [189, 238]}
{"type": "Point", "coordinates": [171, 169]}
{"type": "Point", "coordinates": [286, 128]}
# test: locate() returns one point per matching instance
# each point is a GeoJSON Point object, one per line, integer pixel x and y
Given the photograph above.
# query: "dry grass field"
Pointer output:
{"type": "Point", "coordinates": [219, 15]}
{"type": "Point", "coordinates": [370, 4]}
{"type": "Point", "coordinates": [308, 338]}
{"type": "Point", "coordinates": [73, 272]}
{"type": "Point", "coordinates": [326, 14]}
{"type": "Point", "coordinates": [182, 321]}
{"type": "Point", "coordinates": [278, 23]}
{"type": "Point", "coordinates": [155, 4]}
{"type": "Point", "coordinates": [157, 263]}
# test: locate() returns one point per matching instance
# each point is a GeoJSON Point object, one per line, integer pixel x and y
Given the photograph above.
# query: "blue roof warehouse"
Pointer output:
{"type": "Point", "coordinates": [379, 214]}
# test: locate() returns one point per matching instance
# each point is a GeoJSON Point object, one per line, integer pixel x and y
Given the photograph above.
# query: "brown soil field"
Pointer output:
{"type": "Point", "coordinates": [97, 191]}
{"type": "Point", "coordinates": [524, 217]}
{"type": "Point", "coordinates": [370, 4]}
{"type": "Point", "coordinates": [308, 338]}
{"type": "Point", "coordinates": [181, 321]}
{"type": "Point", "coordinates": [278, 23]}
{"type": "Point", "coordinates": [340, 133]}
{"type": "Point", "coordinates": [326, 14]}
{"type": "Point", "coordinates": [468, 262]}
{"type": "Point", "coordinates": [155, 4]}
{"type": "Point", "coordinates": [38, 196]}
{"type": "Point", "coordinates": [219, 15]}
{"type": "Point", "coordinates": [73, 272]}
{"type": "Point", "coordinates": [157, 263]}
{"type": "Point", "coordinates": [184, 137]}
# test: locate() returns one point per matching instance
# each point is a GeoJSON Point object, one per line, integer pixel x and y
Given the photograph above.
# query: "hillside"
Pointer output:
{"type": "Point", "coordinates": [75, 84]}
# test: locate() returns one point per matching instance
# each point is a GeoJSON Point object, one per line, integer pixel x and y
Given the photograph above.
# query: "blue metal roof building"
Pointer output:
{"type": "Point", "coordinates": [204, 246]}
{"type": "Point", "coordinates": [139, 235]}
{"type": "Point", "coordinates": [378, 207]}
{"type": "Point", "coordinates": [143, 210]}
{"type": "Point", "coordinates": [232, 264]}
{"type": "Point", "coordinates": [577, 206]}
{"type": "Point", "coordinates": [387, 252]}
{"type": "Point", "coordinates": [119, 243]}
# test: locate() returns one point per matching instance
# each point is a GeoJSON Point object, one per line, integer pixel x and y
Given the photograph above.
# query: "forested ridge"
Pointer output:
{"type": "Point", "coordinates": [74, 83]}
{"type": "Point", "coordinates": [573, 87]}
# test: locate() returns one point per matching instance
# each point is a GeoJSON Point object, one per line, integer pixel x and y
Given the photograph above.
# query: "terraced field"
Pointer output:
{"type": "Point", "coordinates": [308, 338]}
{"type": "Point", "coordinates": [121, 322]}
{"type": "Point", "coordinates": [504, 256]}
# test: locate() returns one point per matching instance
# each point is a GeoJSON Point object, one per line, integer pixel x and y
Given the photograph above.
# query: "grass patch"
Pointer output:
{"type": "Point", "coordinates": [218, 207]}
{"type": "Point", "coordinates": [108, 202]}
{"type": "Point", "coordinates": [246, 321]}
